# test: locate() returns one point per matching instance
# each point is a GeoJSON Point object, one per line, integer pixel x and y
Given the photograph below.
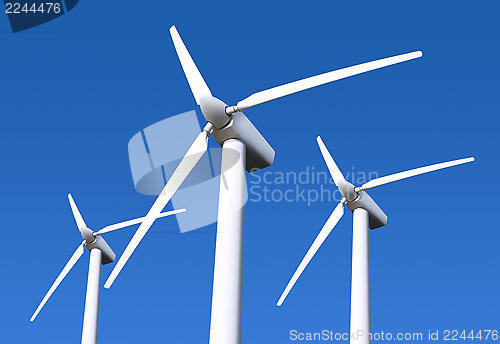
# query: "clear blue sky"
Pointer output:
{"type": "Point", "coordinates": [76, 89]}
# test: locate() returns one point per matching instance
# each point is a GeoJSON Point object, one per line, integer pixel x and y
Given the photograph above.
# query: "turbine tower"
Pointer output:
{"type": "Point", "coordinates": [366, 214]}
{"type": "Point", "coordinates": [100, 253]}
{"type": "Point", "coordinates": [243, 148]}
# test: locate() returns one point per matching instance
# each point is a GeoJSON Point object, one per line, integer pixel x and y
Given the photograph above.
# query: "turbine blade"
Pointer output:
{"type": "Point", "coordinates": [332, 166]}
{"type": "Point", "coordinates": [76, 213]}
{"type": "Point", "coordinates": [304, 84]}
{"type": "Point", "coordinates": [414, 172]}
{"type": "Point", "coordinates": [193, 155]}
{"type": "Point", "coordinates": [193, 75]}
{"type": "Point", "coordinates": [325, 231]}
{"type": "Point", "coordinates": [128, 223]}
{"type": "Point", "coordinates": [72, 261]}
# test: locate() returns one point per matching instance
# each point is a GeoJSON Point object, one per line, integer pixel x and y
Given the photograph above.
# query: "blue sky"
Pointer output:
{"type": "Point", "coordinates": [75, 90]}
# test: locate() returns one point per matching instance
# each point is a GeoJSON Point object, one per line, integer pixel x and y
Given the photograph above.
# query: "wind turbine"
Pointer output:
{"type": "Point", "coordinates": [366, 214]}
{"type": "Point", "coordinates": [243, 147]}
{"type": "Point", "coordinates": [100, 253]}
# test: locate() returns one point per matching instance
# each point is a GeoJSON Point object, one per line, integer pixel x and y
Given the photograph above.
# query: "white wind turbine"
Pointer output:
{"type": "Point", "coordinates": [243, 147]}
{"type": "Point", "coordinates": [366, 214]}
{"type": "Point", "coordinates": [100, 253]}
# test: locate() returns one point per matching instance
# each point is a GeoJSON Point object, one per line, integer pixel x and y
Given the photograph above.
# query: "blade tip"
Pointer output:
{"type": "Point", "coordinates": [419, 53]}
{"type": "Point", "coordinates": [282, 299]}
{"type": "Point", "coordinates": [110, 280]}
{"type": "Point", "coordinates": [173, 30]}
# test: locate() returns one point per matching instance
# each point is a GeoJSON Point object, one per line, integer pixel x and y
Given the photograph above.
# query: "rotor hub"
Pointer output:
{"type": "Point", "coordinates": [87, 235]}
{"type": "Point", "coordinates": [347, 190]}
{"type": "Point", "coordinates": [214, 111]}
